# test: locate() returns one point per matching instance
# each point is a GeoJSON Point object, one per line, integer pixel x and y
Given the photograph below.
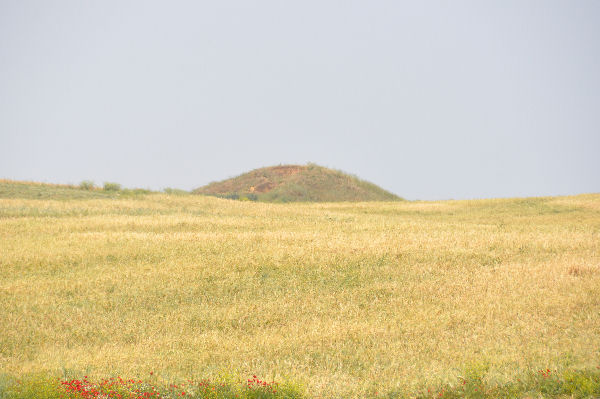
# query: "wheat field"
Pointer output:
{"type": "Point", "coordinates": [345, 298]}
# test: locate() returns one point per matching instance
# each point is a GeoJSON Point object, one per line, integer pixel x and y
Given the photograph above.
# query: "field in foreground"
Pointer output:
{"type": "Point", "coordinates": [347, 299]}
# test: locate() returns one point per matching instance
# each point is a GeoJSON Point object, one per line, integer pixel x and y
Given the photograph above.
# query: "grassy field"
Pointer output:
{"type": "Point", "coordinates": [347, 299]}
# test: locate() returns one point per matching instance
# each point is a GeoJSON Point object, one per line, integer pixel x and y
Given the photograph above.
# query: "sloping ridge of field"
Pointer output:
{"type": "Point", "coordinates": [348, 299]}
{"type": "Point", "coordinates": [297, 183]}
{"type": "Point", "coordinates": [35, 190]}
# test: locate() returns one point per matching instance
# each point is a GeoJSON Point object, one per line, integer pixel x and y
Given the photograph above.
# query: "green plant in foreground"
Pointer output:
{"type": "Point", "coordinates": [541, 384]}
{"type": "Point", "coordinates": [32, 386]}
{"type": "Point", "coordinates": [41, 386]}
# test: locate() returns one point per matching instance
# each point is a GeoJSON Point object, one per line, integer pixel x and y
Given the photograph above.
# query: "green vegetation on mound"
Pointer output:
{"type": "Point", "coordinates": [297, 183]}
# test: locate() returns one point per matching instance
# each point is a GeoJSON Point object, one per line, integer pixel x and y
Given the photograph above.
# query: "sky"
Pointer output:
{"type": "Point", "coordinates": [428, 99]}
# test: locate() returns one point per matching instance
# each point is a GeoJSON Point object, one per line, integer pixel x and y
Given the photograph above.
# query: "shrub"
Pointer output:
{"type": "Point", "coordinates": [87, 185]}
{"type": "Point", "coordinates": [248, 197]}
{"type": "Point", "coordinates": [108, 186]}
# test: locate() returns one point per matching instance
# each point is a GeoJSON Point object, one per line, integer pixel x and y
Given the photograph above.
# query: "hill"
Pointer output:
{"type": "Point", "coordinates": [297, 183]}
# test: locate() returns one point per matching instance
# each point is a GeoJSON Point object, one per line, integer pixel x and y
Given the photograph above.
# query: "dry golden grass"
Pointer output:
{"type": "Point", "coordinates": [347, 298]}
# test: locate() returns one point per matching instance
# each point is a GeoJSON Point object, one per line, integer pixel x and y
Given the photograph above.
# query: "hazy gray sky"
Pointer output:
{"type": "Point", "coordinates": [431, 100]}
